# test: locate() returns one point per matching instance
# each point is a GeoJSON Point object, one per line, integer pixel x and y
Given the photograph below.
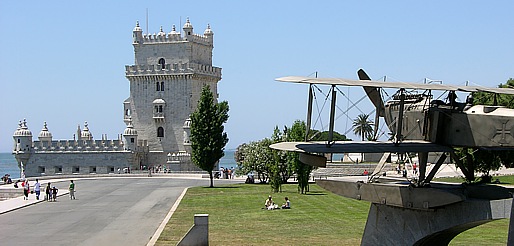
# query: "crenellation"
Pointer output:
{"type": "Point", "coordinates": [173, 38]}
{"type": "Point", "coordinates": [172, 69]}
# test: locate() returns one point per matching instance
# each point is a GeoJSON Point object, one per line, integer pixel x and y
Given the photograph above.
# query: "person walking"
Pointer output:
{"type": "Point", "coordinates": [72, 190]}
{"type": "Point", "coordinates": [26, 189]}
{"type": "Point", "coordinates": [37, 189]}
{"type": "Point", "coordinates": [48, 192]}
{"type": "Point", "coordinates": [54, 193]}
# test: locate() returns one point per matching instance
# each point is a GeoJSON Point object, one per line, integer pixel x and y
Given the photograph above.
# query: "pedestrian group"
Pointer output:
{"type": "Point", "coordinates": [50, 191]}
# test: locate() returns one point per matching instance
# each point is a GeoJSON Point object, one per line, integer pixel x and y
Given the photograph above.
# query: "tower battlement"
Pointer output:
{"type": "Point", "coordinates": [172, 69]}
{"type": "Point", "coordinates": [173, 36]}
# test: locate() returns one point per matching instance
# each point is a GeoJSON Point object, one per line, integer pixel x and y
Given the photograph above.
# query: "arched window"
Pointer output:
{"type": "Point", "coordinates": [157, 86]}
{"type": "Point", "coordinates": [160, 108]}
{"type": "Point", "coordinates": [156, 109]}
{"type": "Point", "coordinates": [162, 62]}
{"type": "Point", "coordinates": [127, 112]}
{"type": "Point", "coordinates": [162, 86]}
{"type": "Point", "coordinates": [160, 132]}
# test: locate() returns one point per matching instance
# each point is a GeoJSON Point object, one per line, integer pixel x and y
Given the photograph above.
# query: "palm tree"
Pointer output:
{"type": "Point", "coordinates": [363, 127]}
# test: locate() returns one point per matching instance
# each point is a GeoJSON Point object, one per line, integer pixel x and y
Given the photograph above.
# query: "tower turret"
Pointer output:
{"type": "Point", "coordinates": [137, 34]}
{"type": "Point", "coordinates": [22, 146]}
{"type": "Point", "coordinates": [130, 135]}
{"type": "Point", "coordinates": [188, 28]}
{"type": "Point", "coordinates": [86, 134]}
{"type": "Point", "coordinates": [45, 135]}
{"type": "Point", "coordinates": [208, 33]}
{"type": "Point", "coordinates": [22, 138]}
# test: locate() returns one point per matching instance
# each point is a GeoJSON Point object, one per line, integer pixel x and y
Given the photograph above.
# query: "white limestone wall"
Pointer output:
{"type": "Point", "coordinates": [104, 162]}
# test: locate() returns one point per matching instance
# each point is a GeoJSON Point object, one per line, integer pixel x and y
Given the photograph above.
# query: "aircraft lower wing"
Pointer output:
{"type": "Point", "coordinates": [361, 147]}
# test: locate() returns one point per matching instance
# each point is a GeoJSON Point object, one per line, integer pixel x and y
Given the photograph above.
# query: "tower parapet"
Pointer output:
{"type": "Point", "coordinates": [172, 69]}
{"type": "Point", "coordinates": [189, 36]}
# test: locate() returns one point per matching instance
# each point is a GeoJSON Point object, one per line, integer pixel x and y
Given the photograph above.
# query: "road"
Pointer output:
{"type": "Point", "coordinates": [114, 211]}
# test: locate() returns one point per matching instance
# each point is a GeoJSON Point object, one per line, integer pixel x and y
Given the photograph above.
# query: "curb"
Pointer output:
{"type": "Point", "coordinates": [163, 224]}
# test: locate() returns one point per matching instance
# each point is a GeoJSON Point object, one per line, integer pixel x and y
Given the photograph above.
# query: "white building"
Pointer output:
{"type": "Point", "coordinates": [166, 81]}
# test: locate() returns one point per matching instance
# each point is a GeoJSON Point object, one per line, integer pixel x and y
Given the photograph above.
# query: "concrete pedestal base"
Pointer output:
{"type": "Point", "coordinates": [388, 225]}
{"type": "Point", "coordinates": [198, 235]}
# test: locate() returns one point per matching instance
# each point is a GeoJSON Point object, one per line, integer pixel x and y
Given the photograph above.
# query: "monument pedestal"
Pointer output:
{"type": "Point", "coordinates": [388, 225]}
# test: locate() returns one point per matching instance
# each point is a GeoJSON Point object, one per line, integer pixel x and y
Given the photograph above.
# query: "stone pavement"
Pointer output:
{"type": "Point", "coordinates": [138, 207]}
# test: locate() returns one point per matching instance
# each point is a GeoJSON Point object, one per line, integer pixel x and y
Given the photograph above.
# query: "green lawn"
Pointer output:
{"type": "Point", "coordinates": [236, 217]}
{"type": "Point", "coordinates": [507, 179]}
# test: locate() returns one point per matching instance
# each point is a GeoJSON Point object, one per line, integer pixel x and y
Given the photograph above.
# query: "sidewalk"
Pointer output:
{"type": "Point", "coordinates": [18, 202]}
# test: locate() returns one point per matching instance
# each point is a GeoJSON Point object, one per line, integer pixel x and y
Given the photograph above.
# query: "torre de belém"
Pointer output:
{"type": "Point", "coordinates": [166, 80]}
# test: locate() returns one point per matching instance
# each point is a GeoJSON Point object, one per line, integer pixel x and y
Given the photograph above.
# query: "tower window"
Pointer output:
{"type": "Point", "coordinates": [157, 86]}
{"type": "Point", "coordinates": [160, 132]}
{"type": "Point", "coordinates": [132, 140]}
{"type": "Point", "coordinates": [160, 108]}
{"type": "Point", "coordinates": [127, 112]}
{"type": "Point", "coordinates": [162, 62]}
{"type": "Point", "coordinates": [162, 86]}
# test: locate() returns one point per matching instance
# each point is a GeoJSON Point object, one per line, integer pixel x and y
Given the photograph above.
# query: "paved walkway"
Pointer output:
{"type": "Point", "coordinates": [148, 206]}
{"type": "Point", "coordinates": [447, 170]}
{"type": "Point", "coordinates": [18, 202]}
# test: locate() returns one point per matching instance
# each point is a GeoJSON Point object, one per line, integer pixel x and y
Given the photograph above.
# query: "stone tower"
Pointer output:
{"type": "Point", "coordinates": [165, 85]}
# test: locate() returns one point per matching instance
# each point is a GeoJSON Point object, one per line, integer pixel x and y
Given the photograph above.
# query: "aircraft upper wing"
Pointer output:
{"type": "Point", "coordinates": [406, 146]}
{"type": "Point", "coordinates": [393, 85]}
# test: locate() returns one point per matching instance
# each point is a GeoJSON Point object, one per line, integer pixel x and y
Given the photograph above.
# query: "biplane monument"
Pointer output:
{"type": "Point", "coordinates": [417, 211]}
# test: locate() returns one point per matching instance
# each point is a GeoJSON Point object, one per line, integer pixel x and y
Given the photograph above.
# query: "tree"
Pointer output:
{"type": "Point", "coordinates": [302, 170]}
{"type": "Point", "coordinates": [316, 135]}
{"type": "Point", "coordinates": [363, 127]}
{"type": "Point", "coordinates": [208, 138]}
{"type": "Point", "coordinates": [254, 157]}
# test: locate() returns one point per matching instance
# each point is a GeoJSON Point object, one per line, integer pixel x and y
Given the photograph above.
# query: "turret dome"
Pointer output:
{"type": "Point", "coordinates": [174, 31]}
{"type": "Point", "coordinates": [137, 28]}
{"type": "Point", "coordinates": [187, 25]}
{"type": "Point", "coordinates": [208, 31]}
{"type": "Point", "coordinates": [161, 33]}
{"type": "Point", "coordinates": [44, 133]}
{"type": "Point", "coordinates": [130, 131]}
{"type": "Point", "coordinates": [86, 134]}
{"type": "Point", "coordinates": [23, 130]}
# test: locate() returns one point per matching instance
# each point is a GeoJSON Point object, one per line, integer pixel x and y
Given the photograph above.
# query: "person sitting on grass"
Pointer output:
{"type": "Point", "coordinates": [269, 204]}
{"type": "Point", "coordinates": [286, 205]}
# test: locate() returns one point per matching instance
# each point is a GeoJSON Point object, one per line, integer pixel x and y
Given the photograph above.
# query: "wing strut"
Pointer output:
{"type": "Point", "coordinates": [380, 166]}
{"type": "Point", "coordinates": [309, 114]}
{"type": "Point", "coordinates": [332, 117]}
{"type": "Point", "coordinates": [399, 125]}
{"type": "Point", "coordinates": [434, 170]}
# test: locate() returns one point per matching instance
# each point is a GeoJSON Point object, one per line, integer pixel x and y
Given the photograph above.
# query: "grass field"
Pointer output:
{"type": "Point", "coordinates": [236, 217]}
{"type": "Point", "coordinates": [507, 180]}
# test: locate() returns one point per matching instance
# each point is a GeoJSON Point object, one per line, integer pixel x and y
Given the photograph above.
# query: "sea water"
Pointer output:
{"type": "Point", "coordinates": [8, 164]}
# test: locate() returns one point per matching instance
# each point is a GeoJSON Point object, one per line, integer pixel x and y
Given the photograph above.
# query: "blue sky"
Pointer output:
{"type": "Point", "coordinates": [63, 62]}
